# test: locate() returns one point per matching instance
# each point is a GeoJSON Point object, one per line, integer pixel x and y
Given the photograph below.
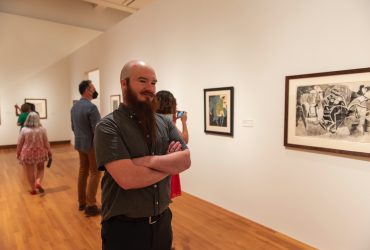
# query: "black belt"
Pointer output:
{"type": "Point", "coordinates": [150, 220]}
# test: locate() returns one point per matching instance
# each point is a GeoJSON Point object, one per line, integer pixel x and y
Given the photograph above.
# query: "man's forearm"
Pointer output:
{"type": "Point", "coordinates": [129, 176]}
{"type": "Point", "coordinates": [173, 163]}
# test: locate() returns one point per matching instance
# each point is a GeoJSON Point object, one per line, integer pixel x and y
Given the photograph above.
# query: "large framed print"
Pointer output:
{"type": "Point", "coordinates": [40, 106]}
{"type": "Point", "coordinates": [219, 110]}
{"type": "Point", "coordinates": [115, 100]}
{"type": "Point", "coordinates": [329, 112]}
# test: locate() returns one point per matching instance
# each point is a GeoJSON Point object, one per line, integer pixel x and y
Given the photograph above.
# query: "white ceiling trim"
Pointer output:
{"type": "Point", "coordinates": [112, 5]}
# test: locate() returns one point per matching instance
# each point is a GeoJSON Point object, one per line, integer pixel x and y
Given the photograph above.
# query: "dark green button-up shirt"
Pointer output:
{"type": "Point", "coordinates": [119, 136]}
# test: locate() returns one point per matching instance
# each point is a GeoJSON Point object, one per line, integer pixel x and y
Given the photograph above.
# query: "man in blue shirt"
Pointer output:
{"type": "Point", "coordinates": [84, 117]}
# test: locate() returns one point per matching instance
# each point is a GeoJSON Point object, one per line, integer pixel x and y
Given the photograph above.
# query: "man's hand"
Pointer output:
{"type": "Point", "coordinates": [169, 163]}
{"type": "Point", "coordinates": [174, 147]}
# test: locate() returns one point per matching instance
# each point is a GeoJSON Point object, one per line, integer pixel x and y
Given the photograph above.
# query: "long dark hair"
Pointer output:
{"type": "Point", "coordinates": [166, 101]}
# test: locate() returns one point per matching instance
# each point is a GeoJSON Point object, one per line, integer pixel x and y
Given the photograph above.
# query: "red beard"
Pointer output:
{"type": "Point", "coordinates": [144, 110]}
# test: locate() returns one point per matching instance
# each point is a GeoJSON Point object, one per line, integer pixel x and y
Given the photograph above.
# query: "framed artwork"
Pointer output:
{"type": "Point", "coordinates": [219, 110]}
{"type": "Point", "coordinates": [40, 106]}
{"type": "Point", "coordinates": [329, 111]}
{"type": "Point", "coordinates": [115, 100]}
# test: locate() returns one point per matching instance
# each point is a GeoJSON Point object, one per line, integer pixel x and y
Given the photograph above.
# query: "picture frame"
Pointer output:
{"type": "Point", "coordinates": [40, 106]}
{"type": "Point", "coordinates": [329, 112]}
{"type": "Point", "coordinates": [219, 111]}
{"type": "Point", "coordinates": [115, 101]}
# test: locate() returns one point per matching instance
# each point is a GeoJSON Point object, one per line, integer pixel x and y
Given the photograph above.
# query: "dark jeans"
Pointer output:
{"type": "Point", "coordinates": [124, 234]}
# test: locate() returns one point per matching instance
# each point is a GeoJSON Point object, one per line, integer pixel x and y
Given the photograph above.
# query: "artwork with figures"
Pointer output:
{"type": "Point", "coordinates": [340, 110]}
{"type": "Point", "coordinates": [324, 110]}
{"type": "Point", "coordinates": [218, 110]}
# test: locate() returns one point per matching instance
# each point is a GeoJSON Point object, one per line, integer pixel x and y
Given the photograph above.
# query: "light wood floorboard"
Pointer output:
{"type": "Point", "coordinates": [52, 221]}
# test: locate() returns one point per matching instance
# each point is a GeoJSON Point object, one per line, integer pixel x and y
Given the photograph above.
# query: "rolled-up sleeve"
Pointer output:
{"type": "Point", "coordinates": [108, 143]}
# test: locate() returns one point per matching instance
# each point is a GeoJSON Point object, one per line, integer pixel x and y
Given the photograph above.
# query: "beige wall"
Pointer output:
{"type": "Point", "coordinates": [31, 67]}
{"type": "Point", "coordinates": [52, 85]}
{"type": "Point", "coordinates": [252, 45]}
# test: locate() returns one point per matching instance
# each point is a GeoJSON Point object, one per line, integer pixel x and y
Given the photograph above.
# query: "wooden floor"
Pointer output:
{"type": "Point", "coordinates": [52, 221]}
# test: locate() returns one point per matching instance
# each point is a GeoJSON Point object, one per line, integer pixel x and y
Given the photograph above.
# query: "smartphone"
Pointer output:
{"type": "Point", "coordinates": [49, 162]}
{"type": "Point", "coordinates": [180, 114]}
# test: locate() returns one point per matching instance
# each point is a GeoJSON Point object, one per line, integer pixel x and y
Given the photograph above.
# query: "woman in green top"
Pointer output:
{"type": "Point", "coordinates": [25, 110]}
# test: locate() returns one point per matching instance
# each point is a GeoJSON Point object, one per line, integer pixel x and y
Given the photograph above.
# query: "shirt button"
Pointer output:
{"type": "Point", "coordinates": [147, 136]}
{"type": "Point", "coordinates": [157, 203]}
{"type": "Point", "coordinates": [155, 185]}
{"type": "Point", "coordinates": [152, 153]}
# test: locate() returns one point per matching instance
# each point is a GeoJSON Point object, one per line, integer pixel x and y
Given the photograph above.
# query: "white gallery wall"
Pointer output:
{"type": "Point", "coordinates": [320, 199]}
{"type": "Point", "coordinates": [52, 85]}
{"type": "Point", "coordinates": [31, 67]}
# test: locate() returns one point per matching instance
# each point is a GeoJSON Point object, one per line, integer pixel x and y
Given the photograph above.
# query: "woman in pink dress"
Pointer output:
{"type": "Point", "coordinates": [33, 150]}
{"type": "Point", "coordinates": [168, 107]}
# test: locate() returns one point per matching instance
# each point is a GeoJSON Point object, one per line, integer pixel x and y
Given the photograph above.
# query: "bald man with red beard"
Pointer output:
{"type": "Point", "coordinates": [138, 150]}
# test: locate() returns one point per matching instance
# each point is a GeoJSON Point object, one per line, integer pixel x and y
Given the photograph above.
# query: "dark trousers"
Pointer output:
{"type": "Point", "coordinates": [124, 234]}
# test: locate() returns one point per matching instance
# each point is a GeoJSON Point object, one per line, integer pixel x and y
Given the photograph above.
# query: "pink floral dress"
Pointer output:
{"type": "Point", "coordinates": [33, 146]}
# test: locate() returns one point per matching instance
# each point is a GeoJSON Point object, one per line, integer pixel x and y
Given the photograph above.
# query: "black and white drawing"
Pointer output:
{"type": "Point", "coordinates": [334, 110]}
{"type": "Point", "coordinates": [329, 111]}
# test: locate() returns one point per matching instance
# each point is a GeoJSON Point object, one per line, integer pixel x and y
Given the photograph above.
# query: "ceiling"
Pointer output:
{"type": "Point", "coordinates": [38, 33]}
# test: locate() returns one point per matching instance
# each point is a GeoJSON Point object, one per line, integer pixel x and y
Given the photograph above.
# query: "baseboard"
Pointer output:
{"type": "Point", "coordinates": [51, 143]}
{"type": "Point", "coordinates": [60, 142]}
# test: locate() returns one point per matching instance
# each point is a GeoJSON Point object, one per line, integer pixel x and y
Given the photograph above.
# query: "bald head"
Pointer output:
{"type": "Point", "coordinates": [132, 66]}
{"type": "Point", "coordinates": [138, 81]}
{"type": "Point", "coordinates": [140, 78]}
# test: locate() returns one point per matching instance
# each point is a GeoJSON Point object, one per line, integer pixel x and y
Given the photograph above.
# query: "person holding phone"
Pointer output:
{"type": "Point", "coordinates": [22, 113]}
{"type": "Point", "coordinates": [167, 106]}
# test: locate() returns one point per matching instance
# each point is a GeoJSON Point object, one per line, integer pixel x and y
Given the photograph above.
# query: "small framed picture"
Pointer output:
{"type": "Point", "coordinates": [115, 100]}
{"type": "Point", "coordinates": [219, 110]}
{"type": "Point", "coordinates": [39, 105]}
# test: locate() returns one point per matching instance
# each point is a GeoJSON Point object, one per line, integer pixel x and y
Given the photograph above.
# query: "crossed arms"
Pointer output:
{"type": "Point", "coordinates": [147, 170]}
